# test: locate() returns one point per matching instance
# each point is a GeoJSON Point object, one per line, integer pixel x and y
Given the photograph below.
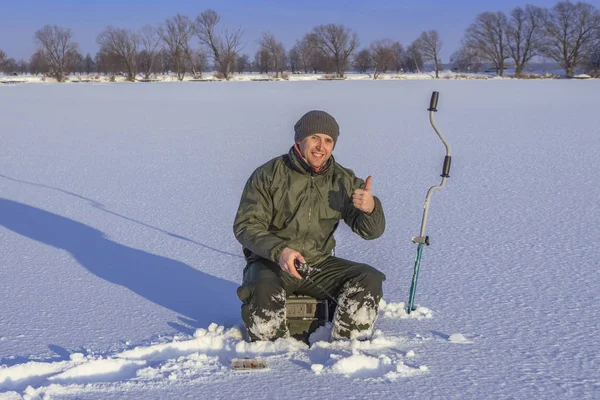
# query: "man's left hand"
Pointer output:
{"type": "Point", "coordinates": [363, 198]}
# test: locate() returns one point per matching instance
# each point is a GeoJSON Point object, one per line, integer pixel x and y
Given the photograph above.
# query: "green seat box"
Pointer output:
{"type": "Point", "coordinates": [305, 314]}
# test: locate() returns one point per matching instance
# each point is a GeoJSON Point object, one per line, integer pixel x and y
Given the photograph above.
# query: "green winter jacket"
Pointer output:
{"type": "Point", "coordinates": [286, 204]}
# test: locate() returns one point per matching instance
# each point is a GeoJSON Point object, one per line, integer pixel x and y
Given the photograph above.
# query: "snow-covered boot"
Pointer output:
{"type": "Point", "coordinates": [264, 314]}
{"type": "Point", "coordinates": [356, 311]}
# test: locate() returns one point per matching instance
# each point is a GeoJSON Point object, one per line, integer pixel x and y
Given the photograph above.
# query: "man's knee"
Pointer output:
{"type": "Point", "coordinates": [262, 294]}
{"type": "Point", "coordinates": [369, 278]}
{"type": "Point", "coordinates": [263, 297]}
{"type": "Point", "coordinates": [261, 282]}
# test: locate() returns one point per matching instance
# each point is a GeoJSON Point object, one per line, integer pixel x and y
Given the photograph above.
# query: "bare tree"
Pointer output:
{"type": "Point", "coordinates": [399, 56]}
{"type": "Point", "coordinates": [199, 62]}
{"type": "Point", "coordinates": [430, 45]}
{"type": "Point", "coordinates": [164, 62]}
{"type": "Point", "coordinates": [276, 51]}
{"type": "Point", "coordinates": [149, 43]}
{"type": "Point", "coordinates": [294, 60]}
{"type": "Point", "coordinates": [109, 63]}
{"type": "Point", "coordinates": [196, 60]}
{"type": "Point", "coordinates": [524, 34]}
{"type": "Point", "coordinates": [466, 59]}
{"type": "Point", "coordinates": [23, 66]}
{"type": "Point", "coordinates": [145, 63]}
{"type": "Point", "coordinates": [123, 44]}
{"type": "Point", "coordinates": [2, 58]}
{"type": "Point", "coordinates": [337, 43]}
{"type": "Point", "coordinates": [75, 63]}
{"type": "Point", "coordinates": [262, 61]}
{"type": "Point", "coordinates": [224, 48]}
{"type": "Point", "coordinates": [242, 64]}
{"type": "Point", "coordinates": [89, 65]}
{"type": "Point", "coordinates": [486, 36]}
{"type": "Point", "coordinates": [58, 48]}
{"type": "Point", "coordinates": [9, 66]}
{"type": "Point", "coordinates": [383, 54]}
{"type": "Point", "coordinates": [176, 34]}
{"type": "Point", "coordinates": [593, 62]}
{"type": "Point", "coordinates": [571, 32]}
{"type": "Point", "coordinates": [38, 64]}
{"type": "Point", "coordinates": [363, 61]}
{"type": "Point", "coordinates": [306, 51]}
{"type": "Point", "coordinates": [324, 64]}
{"type": "Point", "coordinates": [413, 60]}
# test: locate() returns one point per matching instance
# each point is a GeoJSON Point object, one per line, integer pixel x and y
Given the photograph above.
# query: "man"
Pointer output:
{"type": "Point", "coordinates": [288, 213]}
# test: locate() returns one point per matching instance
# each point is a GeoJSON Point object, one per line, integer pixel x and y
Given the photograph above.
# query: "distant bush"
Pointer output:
{"type": "Point", "coordinates": [332, 77]}
{"type": "Point", "coordinates": [464, 76]}
{"type": "Point", "coordinates": [537, 76]}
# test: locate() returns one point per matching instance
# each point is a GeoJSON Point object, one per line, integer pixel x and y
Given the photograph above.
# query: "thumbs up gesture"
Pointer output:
{"type": "Point", "coordinates": [363, 198]}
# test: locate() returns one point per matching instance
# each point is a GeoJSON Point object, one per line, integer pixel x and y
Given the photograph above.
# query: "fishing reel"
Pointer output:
{"type": "Point", "coordinates": [302, 268]}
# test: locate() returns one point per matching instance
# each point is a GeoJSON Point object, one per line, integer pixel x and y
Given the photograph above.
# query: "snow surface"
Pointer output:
{"type": "Point", "coordinates": [92, 79]}
{"type": "Point", "coordinates": [118, 266]}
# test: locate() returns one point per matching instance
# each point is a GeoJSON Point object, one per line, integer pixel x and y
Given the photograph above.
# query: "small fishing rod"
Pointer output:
{"type": "Point", "coordinates": [304, 271]}
{"type": "Point", "coordinates": [422, 239]}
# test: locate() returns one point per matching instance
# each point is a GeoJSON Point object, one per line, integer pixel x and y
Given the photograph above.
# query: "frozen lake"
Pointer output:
{"type": "Point", "coordinates": [116, 208]}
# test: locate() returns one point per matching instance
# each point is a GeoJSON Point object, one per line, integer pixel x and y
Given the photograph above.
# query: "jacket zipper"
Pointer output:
{"type": "Point", "coordinates": [312, 185]}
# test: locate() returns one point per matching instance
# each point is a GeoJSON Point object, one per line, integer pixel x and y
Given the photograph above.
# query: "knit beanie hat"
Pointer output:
{"type": "Point", "coordinates": [316, 121]}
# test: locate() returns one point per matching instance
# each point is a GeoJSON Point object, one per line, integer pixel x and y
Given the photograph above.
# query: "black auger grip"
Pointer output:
{"type": "Point", "coordinates": [446, 168]}
{"type": "Point", "coordinates": [434, 101]}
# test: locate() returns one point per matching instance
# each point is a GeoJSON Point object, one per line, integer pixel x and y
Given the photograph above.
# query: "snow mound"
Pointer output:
{"type": "Point", "coordinates": [459, 338]}
{"type": "Point", "coordinates": [359, 365]}
{"type": "Point", "coordinates": [362, 358]}
{"type": "Point", "coordinates": [398, 311]}
{"type": "Point", "coordinates": [207, 354]}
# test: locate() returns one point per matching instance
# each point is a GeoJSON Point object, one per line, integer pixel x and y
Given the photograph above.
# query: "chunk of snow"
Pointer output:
{"type": "Point", "coordinates": [317, 368]}
{"type": "Point", "coordinates": [77, 357]}
{"type": "Point", "coordinates": [398, 311]}
{"type": "Point", "coordinates": [354, 363]}
{"type": "Point", "coordinates": [458, 338]}
{"type": "Point", "coordinates": [100, 370]}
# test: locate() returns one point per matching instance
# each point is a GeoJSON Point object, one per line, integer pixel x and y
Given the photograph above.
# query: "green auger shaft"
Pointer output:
{"type": "Point", "coordinates": [413, 286]}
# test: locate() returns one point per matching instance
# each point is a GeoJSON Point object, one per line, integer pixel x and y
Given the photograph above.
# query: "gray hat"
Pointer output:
{"type": "Point", "coordinates": [316, 121]}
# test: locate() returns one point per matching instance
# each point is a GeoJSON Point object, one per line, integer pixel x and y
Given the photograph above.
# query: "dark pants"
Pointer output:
{"type": "Point", "coordinates": [356, 287]}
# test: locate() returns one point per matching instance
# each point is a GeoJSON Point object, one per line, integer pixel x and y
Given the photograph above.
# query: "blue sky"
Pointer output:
{"type": "Point", "coordinates": [288, 20]}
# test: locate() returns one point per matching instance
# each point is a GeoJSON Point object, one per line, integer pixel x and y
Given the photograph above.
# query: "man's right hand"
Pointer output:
{"type": "Point", "coordinates": [287, 261]}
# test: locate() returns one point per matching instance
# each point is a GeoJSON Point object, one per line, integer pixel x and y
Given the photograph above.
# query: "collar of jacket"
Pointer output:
{"type": "Point", "coordinates": [298, 163]}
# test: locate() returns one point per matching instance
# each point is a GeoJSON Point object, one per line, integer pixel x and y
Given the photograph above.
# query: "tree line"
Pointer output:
{"type": "Point", "coordinates": [568, 34]}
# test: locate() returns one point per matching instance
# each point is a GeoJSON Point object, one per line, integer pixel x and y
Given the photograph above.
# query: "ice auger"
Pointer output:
{"type": "Point", "coordinates": [422, 239]}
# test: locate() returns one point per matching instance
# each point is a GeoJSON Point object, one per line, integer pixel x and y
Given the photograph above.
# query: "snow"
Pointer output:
{"type": "Point", "coordinates": [459, 338]}
{"type": "Point", "coordinates": [94, 79]}
{"type": "Point", "coordinates": [118, 267]}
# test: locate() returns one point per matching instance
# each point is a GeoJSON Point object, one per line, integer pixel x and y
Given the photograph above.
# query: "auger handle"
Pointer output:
{"type": "Point", "coordinates": [446, 167]}
{"type": "Point", "coordinates": [434, 101]}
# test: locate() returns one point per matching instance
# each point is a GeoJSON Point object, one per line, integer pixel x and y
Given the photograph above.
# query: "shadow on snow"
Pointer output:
{"type": "Point", "coordinates": [101, 206]}
{"type": "Point", "coordinates": [200, 298]}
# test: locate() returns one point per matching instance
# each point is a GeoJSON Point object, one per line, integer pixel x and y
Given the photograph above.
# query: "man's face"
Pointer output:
{"type": "Point", "coordinates": [316, 149]}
